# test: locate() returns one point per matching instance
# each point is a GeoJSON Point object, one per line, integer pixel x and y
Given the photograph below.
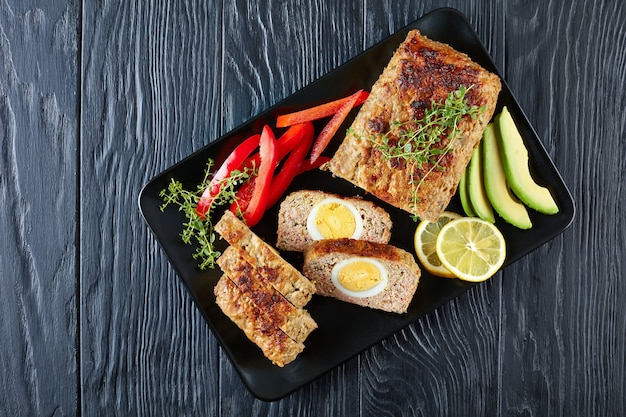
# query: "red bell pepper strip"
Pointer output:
{"type": "Point", "coordinates": [284, 144]}
{"type": "Point", "coordinates": [307, 165]}
{"type": "Point", "coordinates": [293, 137]}
{"type": "Point", "coordinates": [319, 112]}
{"type": "Point", "coordinates": [290, 168]}
{"type": "Point", "coordinates": [233, 162]}
{"type": "Point", "coordinates": [262, 182]}
{"type": "Point", "coordinates": [244, 194]}
{"type": "Point", "coordinates": [331, 127]}
{"type": "Point", "coordinates": [226, 149]}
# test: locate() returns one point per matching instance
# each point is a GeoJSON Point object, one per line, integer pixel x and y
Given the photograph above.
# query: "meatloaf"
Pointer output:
{"type": "Point", "coordinates": [254, 283]}
{"type": "Point", "coordinates": [403, 273]}
{"type": "Point", "coordinates": [286, 279]}
{"type": "Point", "coordinates": [256, 325]}
{"type": "Point", "coordinates": [295, 209]}
{"type": "Point", "coordinates": [420, 73]}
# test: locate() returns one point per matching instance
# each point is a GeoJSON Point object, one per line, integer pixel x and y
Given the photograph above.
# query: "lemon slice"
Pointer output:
{"type": "Point", "coordinates": [425, 240]}
{"type": "Point", "coordinates": [471, 248]}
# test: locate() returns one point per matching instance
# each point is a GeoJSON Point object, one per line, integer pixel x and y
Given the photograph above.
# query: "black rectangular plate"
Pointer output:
{"type": "Point", "coordinates": [344, 329]}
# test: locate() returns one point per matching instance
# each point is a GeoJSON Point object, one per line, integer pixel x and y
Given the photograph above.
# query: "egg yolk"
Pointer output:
{"type": "Point", "coordinates": [359, 276]}
{"type": "Point", "coordinates": [335, 221]}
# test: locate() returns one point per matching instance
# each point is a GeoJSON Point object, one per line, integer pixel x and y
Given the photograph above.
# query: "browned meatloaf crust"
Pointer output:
{"type": "Point", "coordinates": [294, 211]}
{"type": "Point", "coordinates": [275, 344]}
{"type": "Point", "coordinates": [295, 322]}
{"type": "Point", "coordinates": [282, 275]}
{"type": "Point", "coordinates": [421, 71]}
{"type": "Point", "coordinates": [404, 273]}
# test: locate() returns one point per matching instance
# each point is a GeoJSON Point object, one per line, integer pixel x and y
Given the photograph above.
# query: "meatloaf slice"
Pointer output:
{"type": "Point", "coordinates": [281, 274]}
{"type": "Point", "coordinates": [293, 234]}
{"type": "Point", "coordinates": [403, 272]}
{"type": "Point", "coordinates": [420, 73]}
{"type": "Point", "coordinates": [295, 322]}
{"type": "Point", "coordinates": [258, 328]}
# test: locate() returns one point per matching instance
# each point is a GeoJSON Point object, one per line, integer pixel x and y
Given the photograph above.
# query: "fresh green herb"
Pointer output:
{"type": "Point", "coordinates": [196, 230]}
{"type": "Point", "coordinates": [423, 143]}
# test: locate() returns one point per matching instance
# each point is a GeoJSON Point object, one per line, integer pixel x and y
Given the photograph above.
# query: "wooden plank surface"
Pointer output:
{"type": "Point", "coordinates": [38, 252]}
{"type": "Point", "coordinates": [564, 327]}
{"type": "Point", "coordinates": [98, 97]}
{"type": "Point", "coordinates": [148, 101]}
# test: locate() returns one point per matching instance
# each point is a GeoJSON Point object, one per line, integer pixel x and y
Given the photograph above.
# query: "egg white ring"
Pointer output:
{"type": "Point", "coordinates": [384, 277]}
{"type": "Point", "coordinates": [312, 227]}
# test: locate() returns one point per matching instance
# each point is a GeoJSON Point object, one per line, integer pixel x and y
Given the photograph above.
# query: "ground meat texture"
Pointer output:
{"type": "Point", "coordinates": [403, 272]}
{"type": "Point", "coordinates": [285, 278]}
{"type": "Point", "coordinates": [251, 281]}
{"type": "Point", "coordinates": [420, 72]}
{"type": "Point", "coordinates": [258, 328]}
{"type": "Point", "coordinates": [292, 233]}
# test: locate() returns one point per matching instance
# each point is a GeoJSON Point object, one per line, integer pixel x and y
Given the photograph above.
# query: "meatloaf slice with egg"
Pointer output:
{"type": "Point", "coordinates": [309, 215]}
{"type": "Point", "coordinates": [368, 274]}
{"type": "Point", "coordinates": [256, 325]}
{"type": "Point", "coordinates": [254, 283]}
{"type": "Point", "coordinates": [283, 276]}
{"type": "Point", "coordinates": [420, 73]}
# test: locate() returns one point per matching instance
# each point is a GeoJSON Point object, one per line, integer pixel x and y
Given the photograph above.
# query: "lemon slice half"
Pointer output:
{"type": "Point", "coordinates": [471, 248]}
{"type": "Point", "coordinates": [425, 241]}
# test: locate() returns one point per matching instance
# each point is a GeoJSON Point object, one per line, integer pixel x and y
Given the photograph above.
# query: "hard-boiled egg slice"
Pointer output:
{"type": "Point", "coordinates": [333, 218]}
{"type": "Point", "coordinates": [360, 277]}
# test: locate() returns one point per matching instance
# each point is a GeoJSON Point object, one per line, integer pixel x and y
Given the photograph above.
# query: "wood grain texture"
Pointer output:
{"type": "Point", "coordinates": [565, 324]}
{"type": "Point", "coordinates": [38, 140]}
{"type": "Point", "coordinates": [148, 101]}
{"type": "Point", "coordinates": [96, 98]}
{"type": "Point", "coordinates": [272, 49]}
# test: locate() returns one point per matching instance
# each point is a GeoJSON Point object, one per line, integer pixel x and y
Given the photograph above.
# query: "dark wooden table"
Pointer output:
{"type": "Point", "coordinates": [97, 97]}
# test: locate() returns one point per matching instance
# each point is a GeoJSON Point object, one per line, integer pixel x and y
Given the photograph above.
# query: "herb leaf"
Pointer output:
{"type": "Point", "coordinates": [197, 231]}
{"type": "Point", "coordinates": [422, 144]}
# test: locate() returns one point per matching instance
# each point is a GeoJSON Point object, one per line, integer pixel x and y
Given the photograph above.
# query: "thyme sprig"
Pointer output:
{"type": "Point", "coordinates": [198, 231]}
{"type": "Point", "coordinates": [422, 144]}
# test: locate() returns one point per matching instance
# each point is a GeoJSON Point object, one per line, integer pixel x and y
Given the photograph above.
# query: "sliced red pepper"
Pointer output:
{"type": "Point", "coordinates": [289, 140]}
{"type": "Point", "coordinates": [291, 167]}
{"type": "Point", "coordinates": [234, 161]}
{"type": "Point", "coordinates": [308, 165]}
{"type": "Point", "coordinates": [331, 127]}
{"type": "Point", "coordinates": [262, 182]}
{"type": "Point", "coordinates": [226, 149]}
{"type": "Point", "coordinates": [321, 111]}
{"type": "Point", "coordinates": [285, 143]}
{"type": "Point", "coordinates": [244, 194]}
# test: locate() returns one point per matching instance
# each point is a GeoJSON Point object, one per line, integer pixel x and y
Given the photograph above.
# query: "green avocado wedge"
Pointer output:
{"type": "Point", "coordinates": [496, 187]}
{"type": "Point", "coordinates": [476, 188]}
{"type": "Point", "coordinates": [464, 195]}
{"type": "Point", "coordinates": [515, 162]}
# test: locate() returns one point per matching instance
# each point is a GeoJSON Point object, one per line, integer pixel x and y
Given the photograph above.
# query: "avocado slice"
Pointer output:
{"type": "Point", "coordinates": [476, 187]}
{"type": "Point", "coordinates": [515, 161]}
{"type": "Point", "coordinates": [464, 195]}
{"type": "Point", "coordinates": [496, 187]}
